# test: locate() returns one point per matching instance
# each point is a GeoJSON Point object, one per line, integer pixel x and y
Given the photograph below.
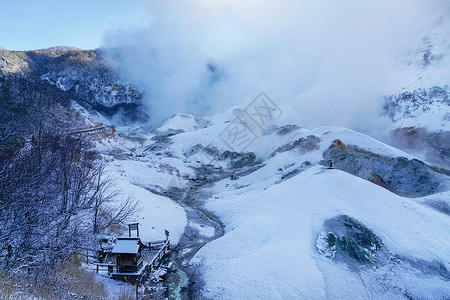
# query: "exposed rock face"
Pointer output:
{"type": "Point", "coordinates": [287, 129]}
{"type": "Point", "coordinates": [347, 238]}
{"type": "Point", "coordinates": [433, 146]}
{"type": "Point", "coordinates": [83, 76]}
{"type": "Point", "coordinates": [400, 175]}
{"type": "Point", "coordinates": [239, 160]}
{"type": "Point", "coordinates": [421, 121]}
{"type": "Point", "coordinates": [302, 145]}
{"type": "Point", "coordinates": [412, 104]}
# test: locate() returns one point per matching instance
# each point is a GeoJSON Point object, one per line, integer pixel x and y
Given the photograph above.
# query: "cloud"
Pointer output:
{"type": "Point", "coordinates": [326, 62]}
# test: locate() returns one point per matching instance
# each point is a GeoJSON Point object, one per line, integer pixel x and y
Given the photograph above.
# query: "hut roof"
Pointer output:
{"type": "Point", "coordinates": [127, 245]}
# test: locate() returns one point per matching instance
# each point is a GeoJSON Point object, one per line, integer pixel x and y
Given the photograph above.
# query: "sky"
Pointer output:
{"type": "Point", "coordinates": [326, 62]}
{"type": "Point", "coordinates": [39, 24]}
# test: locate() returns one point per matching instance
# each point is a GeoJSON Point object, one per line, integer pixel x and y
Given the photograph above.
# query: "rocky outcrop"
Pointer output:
{"type": "Point", "coordinates": [411, 104]}
{"type": "Point", "coordinates": [432, 146]}
{"type": "Point", "coordinates": [407, 177]}
{"type": "Point", "coordinates": [302, 145]}
{"type": "Point", "coordinates": [346, 238]}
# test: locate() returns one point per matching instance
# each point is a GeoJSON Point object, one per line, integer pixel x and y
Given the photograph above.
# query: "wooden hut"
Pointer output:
{"type": "Point", "coordinates": [130, 259]}
{"type": "Point", "coordinates": [127, 252]}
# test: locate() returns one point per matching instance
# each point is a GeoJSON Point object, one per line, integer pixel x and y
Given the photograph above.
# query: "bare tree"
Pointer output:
{"type": "Point", "coordinates": [53, 189]}
{"type": "Point", "coordinates": [51, 192]}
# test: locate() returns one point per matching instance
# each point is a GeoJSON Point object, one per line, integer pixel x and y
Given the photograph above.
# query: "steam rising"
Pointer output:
{"type": "Point", "coordinates": [325, 62]}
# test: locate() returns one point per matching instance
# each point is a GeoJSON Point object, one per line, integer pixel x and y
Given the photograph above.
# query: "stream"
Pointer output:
{"type": "Point", "coordinates": [183, 281]}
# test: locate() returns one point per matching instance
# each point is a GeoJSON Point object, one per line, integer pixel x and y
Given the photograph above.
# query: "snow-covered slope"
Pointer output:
{"type": "Point", "coordinates": [293, 229]}
{"type": "Point", "coordinates": [71, 74]}
{"type": "Point", "coordinates": [156, 213]}
{"type": "Point", "coordinates": [423, 99]}
{"type": "Point", "coordinates": [268, 250]}
{"type": "Point", "coordinates": [419, 106]}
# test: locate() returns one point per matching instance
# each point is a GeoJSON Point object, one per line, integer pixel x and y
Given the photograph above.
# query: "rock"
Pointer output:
{"type": "Point", "coordinates": [347, 238]}
{"type": "Point", "coordinates": [238, 159]}
{"type": "Point", "coordinates": [81, 75]}
{"type": "Point", "coordinates": [400, 175]}
{"type": "Point", "coordinates": [284, 130]}
{"type": "Point", "coordinates": [303, 145]}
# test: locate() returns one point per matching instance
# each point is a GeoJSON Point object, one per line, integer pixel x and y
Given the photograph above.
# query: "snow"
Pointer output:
{"type": "Point", "coordinates": [266, 144]}
{"type": "Point", "coordinates": [205, 231]}
{"type": "Point", "coordinates": [130, 246]}
{"type": "Point", "coordinates": [157, 213]}
{"type": "Point", "coordinates": [115, 287]}
{"type": "Point", "coordinates": [273, 246]}
{"type": "Point", "coordinates": [268, 248]}
{"type": "Point", "coordinates": [322, 246]}
{"type": "Point", "coordinates": [418, 74]}
{"type": "Point", "coordinates": [183, 122]}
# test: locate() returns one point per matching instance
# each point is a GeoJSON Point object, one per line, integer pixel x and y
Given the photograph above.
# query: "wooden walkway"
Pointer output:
{"type": "Point", "coordinates": [154, 263]}
{"type": "Point", "coordinates": [141, 275]}
{"type": "Point", "coordinates": [87, 130]}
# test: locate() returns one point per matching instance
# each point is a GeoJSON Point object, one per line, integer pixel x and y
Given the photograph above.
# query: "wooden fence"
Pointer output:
{"type": "Point", "coordinates": [92, 129]}
{"type": "Point", "coordinates": [155, 262]}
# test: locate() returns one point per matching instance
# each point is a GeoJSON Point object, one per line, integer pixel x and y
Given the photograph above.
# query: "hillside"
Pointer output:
{"type": "Point", "coordinates": [419, 108]}
{"type": "Point", "coordinates": [288, 227]}
{"type": "Point", "coordinates": [252, 210]}
{"type": "Point", "coordinates": [71, 74]}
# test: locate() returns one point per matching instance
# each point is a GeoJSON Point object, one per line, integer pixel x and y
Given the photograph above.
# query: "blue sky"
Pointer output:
{"type": "Point", "coordinates": [37, 24]}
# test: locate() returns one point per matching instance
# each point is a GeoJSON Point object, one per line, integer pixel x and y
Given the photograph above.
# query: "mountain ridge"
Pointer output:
{"type": "Point", "coordinates": [82, 75]}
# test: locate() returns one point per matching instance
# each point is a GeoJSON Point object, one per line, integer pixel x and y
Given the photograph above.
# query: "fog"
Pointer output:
{"type": "Point", "coordinates": [324, 62]}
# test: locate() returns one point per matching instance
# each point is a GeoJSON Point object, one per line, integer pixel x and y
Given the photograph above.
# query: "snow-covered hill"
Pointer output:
{"type": "Point", "coordinates": [291, 228]}
{"type": "Point", "coordinates": [420, 107]}
{"type": "Point", "coordinates": [423, 98]}
{"type": "Point", "coordinates": [271, 247]}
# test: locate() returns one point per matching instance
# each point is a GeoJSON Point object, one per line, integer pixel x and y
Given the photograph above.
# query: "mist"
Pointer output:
{"type": "Point", "coordinates": [323, 62]}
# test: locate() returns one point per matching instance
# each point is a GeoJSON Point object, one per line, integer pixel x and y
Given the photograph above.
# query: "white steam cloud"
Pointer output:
{"type": "Point", "coordinates": [325, 62]}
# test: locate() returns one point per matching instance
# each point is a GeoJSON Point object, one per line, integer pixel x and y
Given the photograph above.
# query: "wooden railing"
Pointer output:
{"type": "Point", "coordinates": [148, 268]}
{"type": "Point", "coordinates": [156, 245]}
{"type": "Point", "coordinates": [92, 129]}
{"type": "Point", "coordinates": [109, 267]}
{"type": "Point", "coordinates": [155, 262]}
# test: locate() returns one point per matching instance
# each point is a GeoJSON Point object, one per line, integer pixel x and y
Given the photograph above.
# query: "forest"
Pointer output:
{"type": "Point", "coordinates": [55, 195]}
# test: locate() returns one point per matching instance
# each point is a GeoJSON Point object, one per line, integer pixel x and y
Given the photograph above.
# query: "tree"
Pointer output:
{"type": "Point", "coordinates": [106, 210]}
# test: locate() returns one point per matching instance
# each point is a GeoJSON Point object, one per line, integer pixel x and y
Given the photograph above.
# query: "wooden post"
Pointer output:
{"type": "Point", "coordinates": [133, 226]}
{"type": "Point", "coordinates": [137, 290]}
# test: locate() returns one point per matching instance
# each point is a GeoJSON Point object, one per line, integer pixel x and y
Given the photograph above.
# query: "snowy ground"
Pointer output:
{"type": "Point", "coordinates": [272, 221]}
{"type": "Point", "coordinates": [268, 249]}
{"type": "Point", "coordinates": [157, 213]}
{"type": "Point", "coordinates": [271, 227]}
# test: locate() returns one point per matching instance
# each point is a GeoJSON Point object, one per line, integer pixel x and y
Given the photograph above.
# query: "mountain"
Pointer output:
{"type": "Point", "coordinates": [420, 108]}
{"type": "Point", "coordinates": [72, 74]}
{"type": "Point", "coordinates": [271, 221]}
{"type": "Point", "coordinates": [254, 209]}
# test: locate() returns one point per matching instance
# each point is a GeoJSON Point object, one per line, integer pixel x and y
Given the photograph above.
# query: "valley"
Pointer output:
{"type": "Point", "coordinates": [263, 198]}
{"type": "Point", "coordinates": [269, 216]}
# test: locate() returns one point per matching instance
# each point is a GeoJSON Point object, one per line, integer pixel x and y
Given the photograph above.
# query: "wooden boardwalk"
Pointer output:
{"type": "Point", "coordinates": [154, 263]}
{"type": "Point", "coordinates": [87, 130]}
{"type": "Point", "coordinates": [149, 264]}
